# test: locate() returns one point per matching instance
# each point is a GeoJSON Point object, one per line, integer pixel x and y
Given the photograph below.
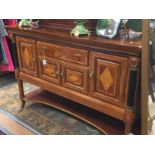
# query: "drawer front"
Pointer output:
{"type": "Point", "coordinates": [48, 50]}
{"type": "Point", "coordinates": [49, 71]}
{"type": "Point", "coordinates": [74, 55]}
{"type": "Point", "coordinates": [61, 52]}
{"type": "Point", "coordinates": [75, 77]}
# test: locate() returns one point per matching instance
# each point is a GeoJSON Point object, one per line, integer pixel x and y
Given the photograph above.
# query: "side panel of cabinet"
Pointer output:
{"type": "Point", "coordinates": [108, 78]}
{"type": "Point", "coordinates": [27, 55]}
{"type": "Point", "coordinates": [75, 77]}
{"type": "Point", "coordinates": [49, 71]}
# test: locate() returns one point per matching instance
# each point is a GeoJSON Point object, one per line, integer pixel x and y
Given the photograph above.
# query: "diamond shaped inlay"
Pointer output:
{"type": "Point", "coordinates": [27, 56]}
{"type": "Point", "coordinates": [106, 79]}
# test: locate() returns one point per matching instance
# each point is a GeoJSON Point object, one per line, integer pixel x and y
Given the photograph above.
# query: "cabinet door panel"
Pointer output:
{"type": "Point", "coordinates": [110, 73]}
{"type": "Point", "coordinates": [75, 77]}
{"type": "Point", "coordinates": [49, 71]}
{"type": "Point", "coordinates": [27, 55]}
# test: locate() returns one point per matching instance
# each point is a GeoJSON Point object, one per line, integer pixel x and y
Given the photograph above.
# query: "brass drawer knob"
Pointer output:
{"type": "Point", "coordinates": [77, 57]}
{"type": "Point", "coordinates": [44, 49]}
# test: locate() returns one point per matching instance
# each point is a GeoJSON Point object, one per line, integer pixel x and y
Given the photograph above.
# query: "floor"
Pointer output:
{"type": "Point", "coordinates": [9, 125]}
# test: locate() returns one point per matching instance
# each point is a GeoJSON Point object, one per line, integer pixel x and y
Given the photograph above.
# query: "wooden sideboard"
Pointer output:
{"type": "Point", "coordinates": [101, 74]}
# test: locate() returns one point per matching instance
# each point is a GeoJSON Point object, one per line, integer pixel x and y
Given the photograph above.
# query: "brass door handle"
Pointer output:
{"type": "Point", "coordinates": [34, 59]}
{"type": "Point", "coordinates": [57, 73]}
{"type": "Point", "coordinates": [91, 74]}
{"type": "Point", "coordinates": [62, 74]}
{"type": "Point", "coordinates": [43, 51]}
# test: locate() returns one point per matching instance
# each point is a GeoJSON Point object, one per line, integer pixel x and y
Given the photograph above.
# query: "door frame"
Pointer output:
{"type": "Point", "coordinates": [144, 77]}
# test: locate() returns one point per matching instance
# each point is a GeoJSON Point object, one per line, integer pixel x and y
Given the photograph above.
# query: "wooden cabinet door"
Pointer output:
{"type": "Point", "coordinates": [49, 71]}
{"type": "Point", "coordinates": [108, 78]}
{"type": "Point", "coordinates": [75, 77]}
{"type": "Point", "coordinates": [27, 55]}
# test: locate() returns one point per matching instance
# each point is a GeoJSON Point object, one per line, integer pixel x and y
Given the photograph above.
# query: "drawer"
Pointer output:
{"type": "Point", "coordinates": [48, 50]}
{"type": "Point", "coordinates": [74, 55]}
{"type": "Point", "coordinates": [61, 52]}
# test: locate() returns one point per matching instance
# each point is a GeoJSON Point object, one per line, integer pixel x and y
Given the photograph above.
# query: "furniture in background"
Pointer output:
{"type": "Point", "coordinates": [1, 133]}
{"type": "Point", "coordinates": [151, 62]}
{"type": "Point", "coordinates": [99, 77]}
{"type": "Point", "coordinates": [151, 69]}
{"type": "Point", "coordinates": [151, 78]}
{"type": "Point", "coordinates": [6, 62]}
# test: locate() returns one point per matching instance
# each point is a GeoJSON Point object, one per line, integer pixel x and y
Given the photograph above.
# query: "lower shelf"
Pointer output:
{"type": "Point", "coordinates": [104, 123]}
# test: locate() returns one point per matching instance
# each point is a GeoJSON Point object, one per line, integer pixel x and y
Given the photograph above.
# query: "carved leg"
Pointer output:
{"type": "Point", "coordinates": [21, 92]}
{"type": "Point", "coordinates": [128, 128]}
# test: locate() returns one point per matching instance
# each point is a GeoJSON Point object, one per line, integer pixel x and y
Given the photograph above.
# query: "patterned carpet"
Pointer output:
{"type": "Point", "coordinates": [41, 118]}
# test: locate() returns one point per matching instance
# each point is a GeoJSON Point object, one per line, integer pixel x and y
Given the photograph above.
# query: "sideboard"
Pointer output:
{"type": "Point", "coordinates": [100, 74]}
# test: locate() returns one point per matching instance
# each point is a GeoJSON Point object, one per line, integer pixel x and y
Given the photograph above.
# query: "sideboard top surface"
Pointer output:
{"type": "Point", "coordinates": [133, 47]}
